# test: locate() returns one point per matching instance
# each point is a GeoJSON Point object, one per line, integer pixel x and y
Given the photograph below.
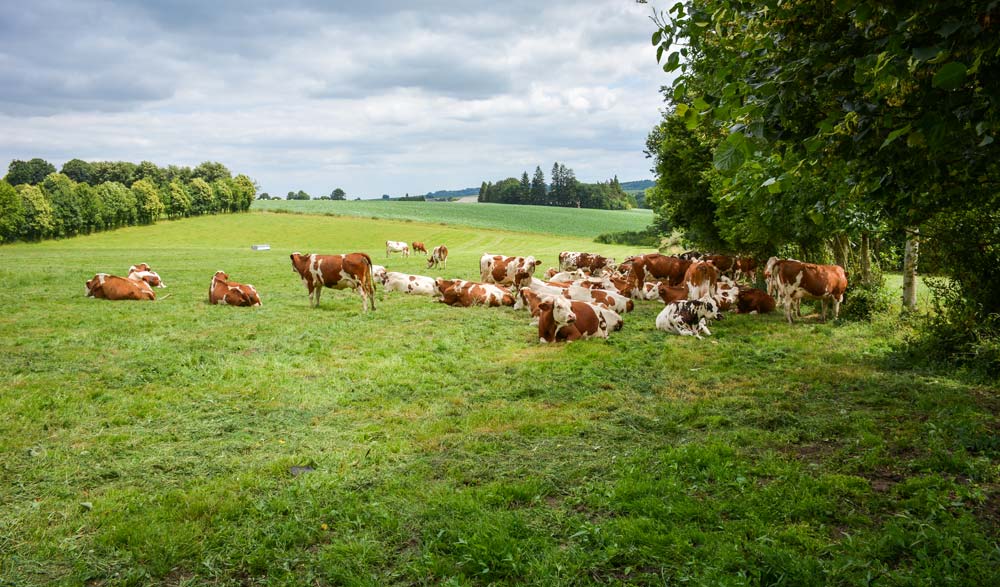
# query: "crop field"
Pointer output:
{"type": "Point", "coordinates": [178, 443]}
{"type": "Point", "coordinates": [537, 219]}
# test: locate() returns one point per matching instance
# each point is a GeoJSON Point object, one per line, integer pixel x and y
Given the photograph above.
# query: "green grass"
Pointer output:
{"type": "Point", "coordinates": [536, 219]}
{"type": "Point", "coordinates": [152, 443]}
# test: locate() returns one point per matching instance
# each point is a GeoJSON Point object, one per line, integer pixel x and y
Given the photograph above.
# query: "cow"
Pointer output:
{"type": "Point", "coordinates": [458, 292]}
{"type": "Point", "coordinates": [609, 299]}
{"type": "Point", "coordinates": [772, 283]}
{"type": "Point", "coordinates": [228, 293]}
{"type": "Point", "coordinates": [657, 267]}
{"type": "Point", "coordinates": [142, 272]}
{"type": "Point", "coordinates": [378, 273]}
{"type": "Point", "coordinates": [553, 275]}
{"type": "Point", "coordinates": [530, 300]}
{"type": "Point", "coordinates": [439, 256]}
{"type": "Point", "coordinates": [561, 319]}
{"type": "Point", "coordinates": [418, 247]}
{"type": "Point", "coordinates": [754, 301]}
{"type": "Point", "coordinates": [794, 280]}
{"type": "Point", "coordinates": [672, 293]}
{"type": "Point", "coordinates": [396, 247]}
{"type": "Point", "coordinates": [597, 264]}
{"type": "Point", "coordinates": [500, 269]}
{"type": "Point", "coordinates": [350, 271]}
{"type": "Point", "coordinates": [411, 284]}
{"type": "Point", "coordinates": [688, 317]}
{"type": "Point", "coordinates": [111, 287]}
{"type": "Point", "coordinates": [724, 263]}
{"type": "Point", "coordinates": [690, 255]}
{"type": "Point", "coordinates": [726, 292]}
{"type": "Point", "coordinates": [746, 267]}
{"type": "Point", "coordinates": [701, 278]}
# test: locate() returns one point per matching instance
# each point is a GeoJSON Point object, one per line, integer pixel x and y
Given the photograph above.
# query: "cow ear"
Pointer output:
{"type": "Point", "coordinates": [546, 305]}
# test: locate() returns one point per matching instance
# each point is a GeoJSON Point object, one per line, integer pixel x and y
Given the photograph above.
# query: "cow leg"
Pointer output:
{"type": "Point", "coordinates": [788, 308]}
{"type": "Point", "coordinates": [822, 309]}
{"type": "Point", "coordinates": [316, 292]}
{"type": "Point", "coordinates": [836, 308]}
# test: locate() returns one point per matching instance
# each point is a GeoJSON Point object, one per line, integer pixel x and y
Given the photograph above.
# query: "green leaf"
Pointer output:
{"type": "Point", "coordinates": [680, 90]}
{"type": "Point", "coordinates": [659, 53]}
{"type": "Point", "coordinates": [656, 37]}
{"type": "Point", "coordinates": [948, 28]}
{"type": "Point", "coordinates": [701, 104]}
{"type": "Point", "coordinates": [673, 61]}
{"type": "Point", "coordinates": [681, 109]}
{"type": "Point", "coordinates": [986, 141]}
{"type": "Point", "coordinates": [816, 216]}
{"type": "Point", "coordinates": [895, 135]}
{"type": "Point", "coordinates": [925, 53]}
{"type": "Point", "coordinates": [950, 76]}
{"type": "Point", "coordinates": [728, 157]}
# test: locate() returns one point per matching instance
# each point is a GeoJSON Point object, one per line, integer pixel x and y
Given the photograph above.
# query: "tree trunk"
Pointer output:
{"type": "Point", "coordinates": [841, 250]}
{"type": "Point", "coordinates": [910, 255]}
{"type": "Point", "coordinates": [866, 260]}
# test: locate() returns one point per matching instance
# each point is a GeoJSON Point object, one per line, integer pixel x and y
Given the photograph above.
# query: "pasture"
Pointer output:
{"type": "Point", "coordinates": [179, 443]}
{"type": "Point", "coordinates": [537, 219]}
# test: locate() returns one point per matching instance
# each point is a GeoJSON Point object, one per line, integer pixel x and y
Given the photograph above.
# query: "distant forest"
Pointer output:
{"type": "Point", "coordinates": [564, 191]}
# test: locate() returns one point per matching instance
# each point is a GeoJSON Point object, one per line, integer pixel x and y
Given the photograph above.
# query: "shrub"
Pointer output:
{"type": "Point", "coordinates": [635, 238]}
{"type": "Point", "coordinates": [867, 300]}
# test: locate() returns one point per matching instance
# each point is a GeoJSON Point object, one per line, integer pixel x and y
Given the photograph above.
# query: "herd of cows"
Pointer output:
{"type": "Point", "coordinates": [585, 297]}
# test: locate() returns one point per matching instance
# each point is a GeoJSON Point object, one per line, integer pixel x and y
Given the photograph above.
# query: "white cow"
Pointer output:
{"type": "Point", "coordinates": [411, 284]}
{"type": "Point", "coordinates": [397, 247]}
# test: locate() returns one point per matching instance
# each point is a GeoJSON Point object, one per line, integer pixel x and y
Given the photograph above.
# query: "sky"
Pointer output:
{"type": "Point", "coordinates": [372, 97]}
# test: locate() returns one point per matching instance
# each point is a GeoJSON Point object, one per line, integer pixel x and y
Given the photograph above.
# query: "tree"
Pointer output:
{"type": "Point", "coordinates": [538, 188]}
{"type": "Point", "coordinates": [11, 213]}
{"type": "Point", "coordinates": [244, 190]}
{"type": "Point", "coordinates": [149, 170]}
{"type": "Point", "coordinates": [78, 170]}
{"type": "Point", "coordinates": [121, 172]}
{"type": "Point", "coordinates": [211, 171]}
{"type": "Point", "coordinates": [524, 194]}
{"type": "Point", "coordinates": [179, 204]}
{"type": "Point", "coordinates": [222, 194]}
{"type": "Point", "coordinates": [202, 199]}
{"type": "Point", "coordinates": [338, 194]}
{"type": "Point", "coordinates": [119, 204]}
{"type": "Point", "coordinates": [31, 172]}
{"type": "Point", "coordinates": [66, 207]}
{"type": "Point", "coordinates": [148, 206]}
{"type": "Point", "coordinates": [264, 196]}
{"type": "Point", "coordinates": [92, 207]}
{"type": "Point", "coordinates": [39, 221]}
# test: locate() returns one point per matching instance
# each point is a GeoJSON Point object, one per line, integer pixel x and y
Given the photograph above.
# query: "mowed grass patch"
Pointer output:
{"type": "Point", "coordinates": [180, 443]}
{"type": "Point", "coordinates": [538, 219]}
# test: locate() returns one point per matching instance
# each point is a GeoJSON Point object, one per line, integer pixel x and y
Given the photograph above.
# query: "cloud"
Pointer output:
{"type": "Point", "coordinates": [374, 97]}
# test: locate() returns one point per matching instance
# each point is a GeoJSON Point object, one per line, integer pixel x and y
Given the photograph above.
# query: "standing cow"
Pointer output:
{"type": "Point", "coordinates": [418, 247]}
{"type": "Point", "coordinates": [658, 267]}
{"type": "Point", "coordinates": [439, 255]}
{"type": "Point", "coordinates": [350, 271]}
{"type": "Point", "coordinates": [793, 281]}
{"type": "Point", "coordinates": [396, 247]}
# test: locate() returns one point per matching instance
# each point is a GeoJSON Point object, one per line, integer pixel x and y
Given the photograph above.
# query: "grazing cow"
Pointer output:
{"type": "Point", "coordinates": [700, 279]}
{"type": "Point", "coordinates": [439, 256]}
{"type": "Point", "coordinates": [657, 267]}
{"type": "Point", "coordinates": [228, 293]}
{"type": "Point", "coordinates": [597, 264]}
{"type": "Point", "coordinates": [458, 292]}
{"type": "Point", "coordinates": [144, 273]}
{"type": "Point", "coordinates": [794, 280]}
{"type": "Point", "coordinates": [754, 301]}
{"type": "Point", "coordinates": [350, 271]}
{"type": "Point", "coordinates": [688, 317]}
{"type": "Point", "coordinates": [411, 284]}
{"type": "Point", "coordinates": [501, 269]}
{"type": "Point", "coordinates": [418, 247]}
{"type": "Point", "coordinates": [111, 287]}
{"type": "Point", "coordinates": [561, 319]}
{"type": "Point", "coordinates": [746, 267]}
{"type": "Point", "coordinates": [396, 247]}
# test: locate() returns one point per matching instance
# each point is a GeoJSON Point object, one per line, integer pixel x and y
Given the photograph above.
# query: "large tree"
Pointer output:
{"type": "Point", "coordinates": [11, 212]}
{"type": "Point", "coordinates": [31, 172]}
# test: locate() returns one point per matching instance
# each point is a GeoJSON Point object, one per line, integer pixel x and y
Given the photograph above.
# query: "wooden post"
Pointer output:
{"type": "Point", "coordinates": [910, 255]}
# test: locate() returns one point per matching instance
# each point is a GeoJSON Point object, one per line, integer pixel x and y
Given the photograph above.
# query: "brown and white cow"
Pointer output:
{"type": "Point", "coordinates": [754, 301]}
{"type": "Point", "coordinates": [111, 287]}
{"type": "Point", "coordinates": [458, 292]}
{"type": "Point", "coordinates": [794, 281]}
{"type": "Point", "coordinates": [229, 293]}
{"type": "Point", "coordinates": [439, 256]}
{"type": "Point", "coordinates": [658, 267]}
{"type": "Point", "coordinates": [701, 278]}
{"type": "Point", "coordinates": [745, 267]}
{"type": "Point", "coordinates": [609, 299]}
{"type": "Point", "coordinates": [396, 247]}
{"type": "Point", "coordinates": [350, 271]}
{"type": "Point", "coordinates": [568, 320]}
{"type": "Point", "coordinates": [726, 292]}
{"type": "Point", "coordinates": [597, 264]}
{"type": "Point", "coordinates": [411, 284]}
{"type": "Point", "coordinates": [142, 271]}
{"type": "Point", "coordinates": [501, 269]}
{"type": "Point", "coordinates": [724, 263]}
{"type": "Point", "coordinates": [672, 293]}
{"type": "Point", "coordinates": [418, 247]}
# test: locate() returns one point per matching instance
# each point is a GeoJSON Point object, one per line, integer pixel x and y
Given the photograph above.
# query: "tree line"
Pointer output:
{"type": "Point", "coordinates": [858, 132]}
{"type": "Point", "coordinates": [37, 202]}
{"type": "Point", "coordinates": [565, 191]}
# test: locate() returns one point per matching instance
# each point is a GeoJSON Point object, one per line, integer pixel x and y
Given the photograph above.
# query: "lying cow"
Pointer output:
{"type": "Point", "coordinates": [501, 269]}
{"type": "Point", "coordinates": [418, 247]}
{"type": "Point", "coordinates": [561, 319]}
{"type": "Point", "coordinates": [142, 272]}
{"type": "Point", "coordinates": [111, 287]}
{"type": "Point", "coordinates": [597, 264]}
{"type": "Point", "coordinates": [229, 293]}
{"type": "Point", "coordinates": [458, 292]}
{"type": "Point", "coordinates": [378, 273]}
{"type": "Point", "coordinates": [350, 271]}
{"type": "Point", "coordinates": [754, 301]}
{"type": "Point", "coordinates": [439, 256]}
{"type": "Point", "coordinates": [608, 299]}
{"type": "Point", "coordinates": [688, 317]}
{"type": "Point", "coordinates": [396, 247]}
{"type": "Point", "coordinates": [410, 284]}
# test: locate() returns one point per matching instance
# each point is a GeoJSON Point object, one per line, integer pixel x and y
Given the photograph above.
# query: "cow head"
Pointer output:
{"type": "Point", "coordinates": [707, 308]}
{"type": "Point", "coordinates": [139, 267]}
{"type": "Point", "coordinates": [95, 282]}
{"type": "Point", "coordinates": [221, 275]}
{"type": "Point", "coordinates": [562, 311]}
{"type": "Point", "coordinates": [443, 285]}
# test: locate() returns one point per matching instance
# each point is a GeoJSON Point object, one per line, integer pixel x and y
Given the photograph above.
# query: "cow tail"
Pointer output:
{"type": "Point", "coordinates": [370, 285]}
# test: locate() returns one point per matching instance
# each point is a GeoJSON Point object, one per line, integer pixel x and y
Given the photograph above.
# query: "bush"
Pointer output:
{"type": "Point", "coordinates": [635, 238]}
{"type": "Point", "coordinates": [866, 300]}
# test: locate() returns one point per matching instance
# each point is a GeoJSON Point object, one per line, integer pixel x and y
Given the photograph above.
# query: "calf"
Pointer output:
{"type": "Point", "coordinates": [439, 256]}
{"type": "Point", "coordinates": [754, 301]}
{"type": "Point", "coordinates": [350, 271]}
{"type": "Point", "coordinates": [688, 317]}
{"type": "Point", "coordinates": [458, 292]}
{"type": "Point", "coordinates": [410, 284]}
{"type": "Point", "coordinates": [501, 269]}
{"type": "Point", "coordinates": [111, 287]}
{"type": "Point", "coordinates": [561, 319]}
{"type": "Point", "coordinates": [418, 247]}
{"type": "Point", "coordinates": [144, 273]}
{"type": "Point", "coordinates": [228, 293]}
{"type": "Point", "coordinates": [396, 247]}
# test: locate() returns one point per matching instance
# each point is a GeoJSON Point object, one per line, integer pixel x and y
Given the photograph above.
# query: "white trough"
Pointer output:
{"type": "Point", "coordinates": [260, 247]}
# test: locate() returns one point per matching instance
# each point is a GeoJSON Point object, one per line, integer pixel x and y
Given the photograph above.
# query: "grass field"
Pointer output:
{"type": "Point", "coordinates": [537, 219]}
{"type": "Point", "coordinates": [158, 443]}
